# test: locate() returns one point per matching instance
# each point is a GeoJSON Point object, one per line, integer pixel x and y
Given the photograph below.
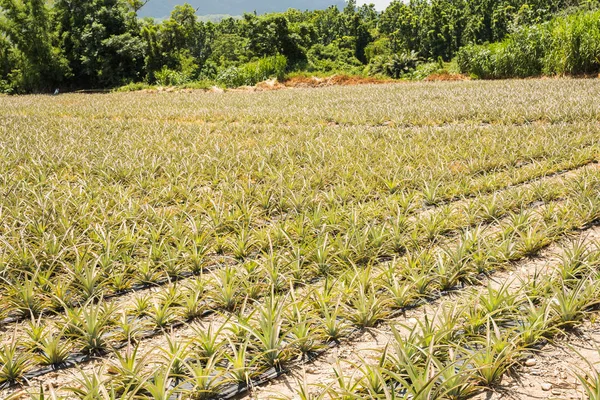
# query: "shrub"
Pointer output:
{"type": "Point", "coordinates": [254, 72]}
{"type": "Point", "coordinates": [396, 65]}
{"type": "Point", "coordinates": [133, 87]}
{"type": "Point", "coordinates": [380, 47]}
{"type": "Point", "coordinates": [169, 77]}
{"type": "Point", "coordinates": [426, 69]}
{"type": "Point", "coordinates": [335, 57]}
{"type": "Point", "coordinates": [575, 44]}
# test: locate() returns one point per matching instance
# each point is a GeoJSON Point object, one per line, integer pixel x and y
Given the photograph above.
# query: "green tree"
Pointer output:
{"type": "Point", "coordinates": [6, 64]}
{"type": "Point", "coordinates": [270, 35]}
{"type": "Point", "coordinates": [182, 43]}
{"type": "Point", "coordinates": [29, 60]}
{"type": "Point", "coordinates": [400, 23]}
{"type": "Point", "coordinates": [101, 41]}
{"type": "Point", "coordinates": [358, 28]}
{"type": "Point", "coordinates": [329, 25]}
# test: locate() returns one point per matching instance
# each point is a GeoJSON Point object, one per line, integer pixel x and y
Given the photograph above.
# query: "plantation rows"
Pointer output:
{"type": "Point", "coordinates": [194, 259]}
{"type": "Point", "coordinates": [472, 342]}
{"type": "Point", "coordinates": [359, 303]}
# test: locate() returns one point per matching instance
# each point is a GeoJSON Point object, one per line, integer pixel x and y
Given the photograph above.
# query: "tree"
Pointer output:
{"type": "Point", "coordinates": [400, 23]}
{"type": "Point", "coordinates": [329, 25]}
{"type": "Point", "coordinates": [271, 35]}
{"type": "Point", "coordinates": [103, 43]}
{"type": "Point", "coordinates": [101, 40]}
{"type": "Point", "coordinates": [26, 47]}
{"type": "Point", "coordinates": [6, 64]}
{"type": "Point", "coordinates": [181, 43]}
{"type": "Point", "coordinates": [182, 32]}
{"type": "Point", "coordinates": [356, 27]}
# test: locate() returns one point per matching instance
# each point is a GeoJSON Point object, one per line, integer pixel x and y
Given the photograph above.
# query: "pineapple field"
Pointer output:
{"type": "Point", "coordinates": [436, 240]}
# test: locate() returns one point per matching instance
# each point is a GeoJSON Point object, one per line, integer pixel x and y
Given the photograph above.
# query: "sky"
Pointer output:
{"type": "Point", "coordinates": [380, 4]}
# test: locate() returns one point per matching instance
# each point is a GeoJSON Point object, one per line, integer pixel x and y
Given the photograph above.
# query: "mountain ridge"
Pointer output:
{"type": "Point", "coordinates": [163, 8]}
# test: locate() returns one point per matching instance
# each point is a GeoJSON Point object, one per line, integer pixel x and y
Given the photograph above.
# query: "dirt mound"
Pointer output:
{"type": "Point", "coordinates": [335, 80]}
{"type": "Point", "coordinates": [271, 84]}
{"type": "Point", "coordinates": [307, 82]}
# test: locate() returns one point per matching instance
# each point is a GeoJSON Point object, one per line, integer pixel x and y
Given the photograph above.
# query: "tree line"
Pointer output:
{"type": "Point", "coordinates": [104, 44]}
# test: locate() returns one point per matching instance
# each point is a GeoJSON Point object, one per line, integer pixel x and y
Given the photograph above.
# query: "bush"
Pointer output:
{"type": "Point", "coordinates": [476, 61]}
{"type": "Point", "coordinates": [565, 45]}
{"type": "Point", "coordinates": [575, 45]}
{"type": "Point", "coordinates": [169, 77]}
{"type": "Point", "coordinates": [335, 57]}
{"type": "Point", "coordinates": [134, 87]}
{"type": "Point", "coordinates": [378, 48]}
{"type": "Point", "coordinates": [254, 72]}
{"type": "Point", "coordinates": [426, 69]}
{"type": "Point", "coordinates": [395, 66]}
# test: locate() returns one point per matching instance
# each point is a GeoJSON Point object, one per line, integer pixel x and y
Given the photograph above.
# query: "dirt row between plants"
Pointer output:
{"type": "Point", "coordinates": [552, 367]}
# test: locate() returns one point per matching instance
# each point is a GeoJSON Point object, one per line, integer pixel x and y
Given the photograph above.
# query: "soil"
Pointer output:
{"type": "Point", "coordinates": [335, 80]}
{"type": "Point", "coordinates": [294, 82]}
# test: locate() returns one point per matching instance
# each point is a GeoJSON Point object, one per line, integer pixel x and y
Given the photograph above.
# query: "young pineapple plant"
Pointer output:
{"type": "Point", "coordinates": [128, 370]}
{"type": "Point", "coordinates": [208, 342]}
{"type": "Point", "coordinates": [53, 351]}
{"type": "Point", "coordinates": [14, 363]}
{"type": "Point", "coordinates": [163, 314]}
{"type": "Point", "coordinates": [331, 324]}
{"type": "Point", "coordinates": [205, 379]}
{"type": "Point", "coordinates": [304, 332]}
{"type": "Point", "coordinates": [496, 355]}
{"type": "Point", "coordinates": [242, 366]}
{"type": "Point", "coordinates": [225, 292]}
{"type": "Point", "coordinates": [92, 385]}
{"type": "Point", "coordinates": [193, 300]}
{"type": "Point", "coordinates": [23, 298]}
{"type": "Point", "coordinates": [36, 331]}
{"type": "Point", "coordinates": [91, 329]}
{"type": "Point", "coordinates": [366, 307]}
{"type": "Point", "coordinates": [268, 332]}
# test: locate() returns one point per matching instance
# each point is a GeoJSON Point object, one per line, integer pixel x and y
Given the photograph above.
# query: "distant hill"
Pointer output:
{"type": "Point", "coordinates": [163, 8]}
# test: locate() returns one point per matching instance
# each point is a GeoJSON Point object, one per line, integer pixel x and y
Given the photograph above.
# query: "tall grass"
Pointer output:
{"type": "Point", "coordinates": [566, 45]}
{"type": "Point", "coordinates": [574, 45]}
{"type": "Point", "coordinates": [254, 72]}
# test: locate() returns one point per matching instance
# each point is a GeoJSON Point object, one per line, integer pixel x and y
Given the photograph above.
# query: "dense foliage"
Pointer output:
{"type": "Point", "coordinates": [103, 43]}
{"type": "Point", "coordinates": [564, 45]}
